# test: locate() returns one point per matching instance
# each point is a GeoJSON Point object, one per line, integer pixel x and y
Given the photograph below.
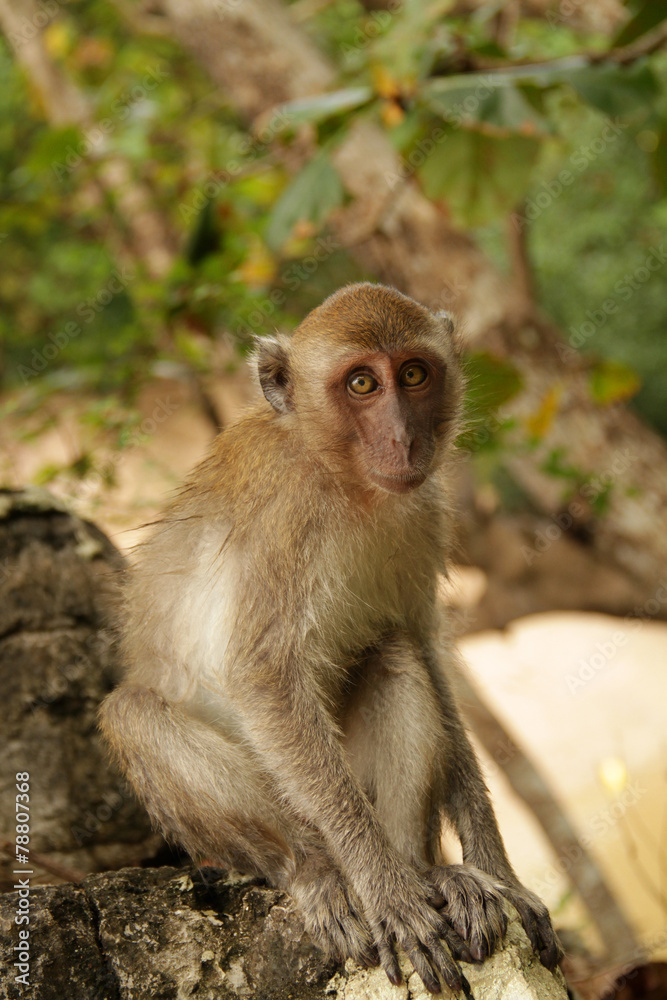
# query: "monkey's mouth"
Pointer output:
{"type": "Point", "coordinates": [404, 483]}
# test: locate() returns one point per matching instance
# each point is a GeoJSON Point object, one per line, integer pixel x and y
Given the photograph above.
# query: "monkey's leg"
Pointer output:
{"type": "Point", "coordinates": [332, 911]}
{"type": "Point", "coordinates": [202, 788]}
{"type": "Point", "coordinates": [209, 794]}
{"type": "Point", "coordinates": [394, 738]}
{"type": "Point", "coordinates": [473, 890]}
{"type": "Point", "coordinates": [391, 727]}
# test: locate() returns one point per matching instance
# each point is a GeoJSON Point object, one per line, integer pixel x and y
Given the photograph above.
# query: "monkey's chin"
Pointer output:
{"type": "Point", "coordinates": [398, 484]}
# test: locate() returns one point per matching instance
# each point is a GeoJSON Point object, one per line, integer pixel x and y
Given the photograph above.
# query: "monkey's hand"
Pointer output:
{"type": "Point", "coordinates": [536, 921]}
{"type": "Point", "coordinates": [473, 906]}
{"type": "Point", "coordinates": [332, 912]}
{"type": "Point", "coordinates": [402, 909]}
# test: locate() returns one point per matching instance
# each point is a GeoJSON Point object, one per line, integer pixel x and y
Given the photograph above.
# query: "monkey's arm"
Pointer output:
{"type": "Point", "coordinates": [461, 794]}
{"type": "Point", "coordinates": [299, 743]}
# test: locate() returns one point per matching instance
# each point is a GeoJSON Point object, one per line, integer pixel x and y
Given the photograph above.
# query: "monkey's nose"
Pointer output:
{"type": "Point", "coordinates": [402, 447]}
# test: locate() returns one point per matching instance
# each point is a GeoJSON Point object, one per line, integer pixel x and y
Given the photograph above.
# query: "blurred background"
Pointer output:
{"type": "Point", "coordinates": [181, 176]}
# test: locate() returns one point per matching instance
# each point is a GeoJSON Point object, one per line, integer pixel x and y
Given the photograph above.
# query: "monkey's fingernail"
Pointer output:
{"type": "Point", "coordinates": [454, 982]}
{"type": "Point", "coordinates": [432, 985]}
{"type": "Point", "coordinates": [477, 951]}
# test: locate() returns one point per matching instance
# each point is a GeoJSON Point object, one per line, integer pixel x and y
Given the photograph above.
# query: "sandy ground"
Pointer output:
{"type": "Point", "coordinates": [584, 694]}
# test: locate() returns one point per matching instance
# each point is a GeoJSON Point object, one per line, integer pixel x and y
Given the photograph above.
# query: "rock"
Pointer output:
{"type": "Point", "coordinates": [143, 934]}
{"type": "Point", "coordinates": [57, 662]}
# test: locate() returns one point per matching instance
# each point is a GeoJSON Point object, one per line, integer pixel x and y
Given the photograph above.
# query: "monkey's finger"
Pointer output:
{"type": "Point", "coordinates": [436, 899]}
{"type": "Point", "coordinates": [444, 963]}
{"type": "Point", "coordinates": [357, 941]}
{"type": "Point", "coordinates": [456, 920]}
{"type": "Point", "coordinates": [542, 937]}
{"type": "Point", "coordinates": [479, 947]}
{"type": "Point", "coordinates": [456, 944]}
{"type": "Point", "coordinates": [388, 960]}
{"type": "Point", "coordinates": [421, 964]}
{"type": "Point", "coordinates": [551, 952]}
{"type": "Point", "coordinates": [352, 945]}
{"type": "Point", "coordinates": [529, 922]}
{"type": "Point", "coordinates": [369, 958]}
{"type": "Point", "coordinates": [488, 931]}
{"type": "Point", "coordinates": [503, 921]}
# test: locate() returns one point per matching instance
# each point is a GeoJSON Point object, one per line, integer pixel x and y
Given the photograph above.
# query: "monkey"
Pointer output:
{"type": "Point", "coordinates": [286, 710]}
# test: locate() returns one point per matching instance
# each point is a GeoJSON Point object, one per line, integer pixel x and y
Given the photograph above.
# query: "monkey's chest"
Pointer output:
{"type": "Point", "coordinates": [379, 592]}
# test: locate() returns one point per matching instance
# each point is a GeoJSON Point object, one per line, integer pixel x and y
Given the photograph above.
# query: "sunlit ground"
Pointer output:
{"type": "Point", "coordinates": [584, 695]}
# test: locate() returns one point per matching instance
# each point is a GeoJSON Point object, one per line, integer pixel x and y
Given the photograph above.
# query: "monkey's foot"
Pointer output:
{"type": "Point", "coordinates": [403, 910]}
{"type": "Point", "coordinates": [536, 923]}
{"type": "Point", "coordinates": [473, 906]}
{"type": "Point", "coordinates": [331, 911]}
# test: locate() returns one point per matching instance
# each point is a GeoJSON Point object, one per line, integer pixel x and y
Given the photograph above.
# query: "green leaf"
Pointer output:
{"type": "Point", "coordinates": [58, 149]}
{"type": "Point", "coordinates": [649, 16]}
{"type": "Point", "coordinates": [310, 197]}
{"type": "Point", "coordinates": [507, 98]}
{"type": "Point", "coordinates": [323, 106]}
{"type": "Point", "coordinates": [491, 382]}
{"type": "Point", "coordinates": [557, 465]}
{"type": "Point", "coordinates": [480, 177]}
{"type": "Point", "coordinates": [472, 102]}
{"type": "Point", "coordinates": [618, 91]}
{"type": "Point", "coordinates": [659, 161]}
{"type": "Point", "coordinates": [613, 382]}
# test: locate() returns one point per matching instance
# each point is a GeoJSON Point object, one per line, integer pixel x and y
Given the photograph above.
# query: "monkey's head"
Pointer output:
{"type": "Point", "coordinates": [372, 380]}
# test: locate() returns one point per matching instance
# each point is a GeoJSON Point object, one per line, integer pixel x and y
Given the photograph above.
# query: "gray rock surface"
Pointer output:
{"type": "Point", "coordinates": [168, 934]}
{"type": "Point", "coordinates": [57, 579]}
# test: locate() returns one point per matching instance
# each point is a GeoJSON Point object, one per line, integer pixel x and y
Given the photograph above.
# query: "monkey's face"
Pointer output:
{"type": "Point", "coordinates": [373, 382]}
{"type": "Point", "coordinates": [391, 412]}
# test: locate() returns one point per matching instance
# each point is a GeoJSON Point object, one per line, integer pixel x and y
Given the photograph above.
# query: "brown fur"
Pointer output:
{"type": "Point", "coordinates": [286, 709]}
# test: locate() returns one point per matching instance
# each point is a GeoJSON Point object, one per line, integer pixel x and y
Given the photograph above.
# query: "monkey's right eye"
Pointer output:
{"type": "Point", "coordinates": [362, 383]}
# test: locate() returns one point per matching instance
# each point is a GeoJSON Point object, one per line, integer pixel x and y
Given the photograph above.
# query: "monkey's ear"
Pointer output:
{"type": "Point", "coordinates": [447, 321]}
{"type": "Point", "coordinates": [272, 363]}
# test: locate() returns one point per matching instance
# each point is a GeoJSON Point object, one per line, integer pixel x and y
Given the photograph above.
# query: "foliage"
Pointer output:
{"type": "Point", "coordinates": [486, 124]}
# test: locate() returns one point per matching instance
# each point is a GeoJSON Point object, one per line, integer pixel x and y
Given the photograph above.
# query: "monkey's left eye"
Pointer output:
{"type": "Point", "coordinates": [413, 374]}
{"type": "Point", "coordinates": [362, 383]}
